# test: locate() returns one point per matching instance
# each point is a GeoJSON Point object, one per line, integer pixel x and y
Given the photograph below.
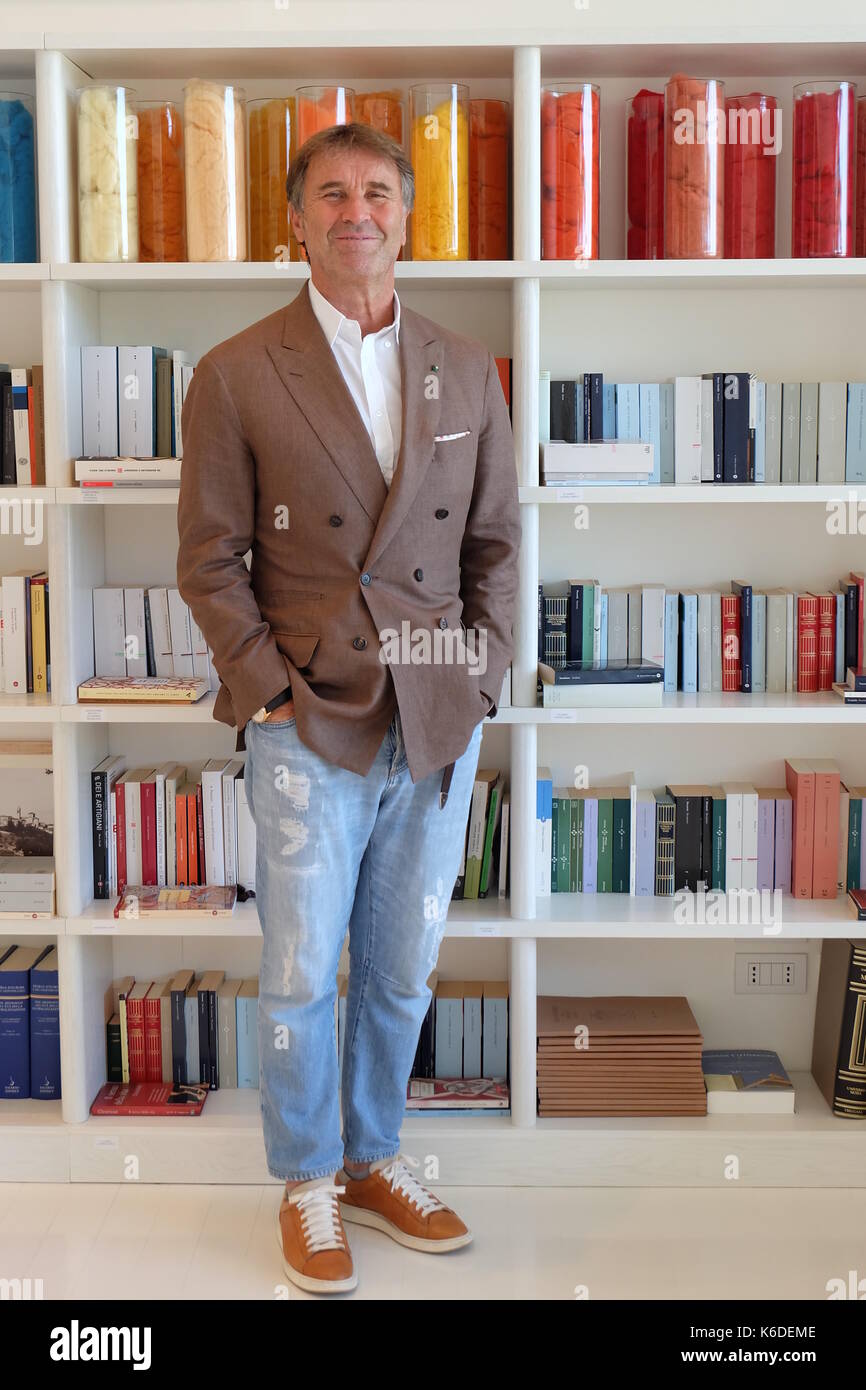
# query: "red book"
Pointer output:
{"type": "Point", "coordinates": [807, 644]}
{"type": "Point", "coordinates": [192, 838]}
{"type": "Point", "coordinates": [148, 835]}
{"type": "Point", "coordinates": [800, 781]}
{"type": "Point", "coordinates": [152, 1036]}
{"type": "Point", "coordinates": [149, 1098]}
{"type": "Point", "coordinates": [825, 861]}
{"type": "Point", "coordinates": [732, 671]}
{"type": "Point", "coordinates": [503, 366]}
{"type": "Point", "coordinates": [826, 640]}
{"type": "Point", "coordinates": [120, 827]}
{"type": "Point", "coordinates": [135, 1031]}
{"type": "Point", "coordinates": [199, 807]}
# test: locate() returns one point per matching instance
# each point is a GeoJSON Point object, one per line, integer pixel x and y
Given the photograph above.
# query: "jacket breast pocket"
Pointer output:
{"type": "Point", "coordinates": [297, 646]}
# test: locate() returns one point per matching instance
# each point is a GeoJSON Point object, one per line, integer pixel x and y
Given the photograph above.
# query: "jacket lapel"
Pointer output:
{"type": "Point", "coordinates": [309, 371]}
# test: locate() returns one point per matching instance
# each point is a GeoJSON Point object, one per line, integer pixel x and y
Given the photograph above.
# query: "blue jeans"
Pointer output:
{"type": "Point", "coordinates": [375, 854]}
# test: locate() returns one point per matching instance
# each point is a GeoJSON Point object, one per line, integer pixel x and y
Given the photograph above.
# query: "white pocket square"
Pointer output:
{"type": "Point", "coordinates": [443, 438]}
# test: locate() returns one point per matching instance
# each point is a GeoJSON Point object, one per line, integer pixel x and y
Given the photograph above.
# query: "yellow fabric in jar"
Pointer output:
{"type": "Point", "coordinates": [440, 155]}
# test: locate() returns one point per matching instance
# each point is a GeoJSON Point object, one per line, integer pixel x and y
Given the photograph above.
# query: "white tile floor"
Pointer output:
{"type": "Point", "coordinates": [175, 1242]}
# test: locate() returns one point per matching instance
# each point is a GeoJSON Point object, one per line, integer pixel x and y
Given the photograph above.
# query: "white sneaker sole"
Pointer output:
{"type": "Point", "coordinates": [306, 1281]}
{"type": "Point", "coordinates": [359, 1216]}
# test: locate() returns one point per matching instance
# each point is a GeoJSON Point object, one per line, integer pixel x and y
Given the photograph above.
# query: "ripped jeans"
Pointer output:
{"type": "Point", "coordinates": [334, 850]}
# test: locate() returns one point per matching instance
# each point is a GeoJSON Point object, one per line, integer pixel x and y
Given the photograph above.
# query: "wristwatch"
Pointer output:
{"type": "Point", "coordinates": [265, 710]}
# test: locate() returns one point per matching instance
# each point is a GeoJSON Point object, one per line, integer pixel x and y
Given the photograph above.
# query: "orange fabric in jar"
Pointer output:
{"type": "Point", "coordinates": [569, 175]}
{"type": "Point", "coordinates": [161, 234]}
{"type": "Point", "coordinates": [383, 111]}
{"type": "Point", "coordinates": [694, 173]}
{"type": "Point", "coordinates": [321, 113]}
{"type": "Point", "coordinates": [489, 150]}
{"type": "Point", "coordinates": [271, 136]}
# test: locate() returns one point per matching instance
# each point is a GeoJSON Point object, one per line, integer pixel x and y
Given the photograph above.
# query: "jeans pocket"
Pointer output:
{"type": "Point", "coordinates": [277, 723]}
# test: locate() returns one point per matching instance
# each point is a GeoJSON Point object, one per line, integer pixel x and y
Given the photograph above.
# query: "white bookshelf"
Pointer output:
{"type": "Point", "coordinates": [797, 320]}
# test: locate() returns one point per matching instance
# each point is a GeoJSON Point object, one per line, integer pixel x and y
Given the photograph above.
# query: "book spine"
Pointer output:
{"type": "Point", "coordinates": [99, 789]}
{"type": "Point", "coordinates": [807, 652]}
{"type": "Point", "coordinates": [784, 841]}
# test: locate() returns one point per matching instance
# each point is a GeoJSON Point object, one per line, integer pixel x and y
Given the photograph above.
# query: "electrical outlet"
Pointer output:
{"type": "Point", "coordinates": [768, 973]}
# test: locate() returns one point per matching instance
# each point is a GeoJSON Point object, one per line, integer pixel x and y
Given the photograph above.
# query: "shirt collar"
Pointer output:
{"type": "Point", "coordinates": [332, 320]}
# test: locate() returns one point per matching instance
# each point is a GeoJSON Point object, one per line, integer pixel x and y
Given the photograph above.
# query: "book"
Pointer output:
{"type": "Point", "coordinates": [746, 1081]}
{"type": "Point", "coordinates": [149, 1098]}
{"type": "Point", "coordinates": [149, 900]}
{"type": "Point", "coordinates": [170, 690]}
{"type": "Point", "coordinates": [837, 1042]}
{"type": "Point", "coordinates": [605, 672]}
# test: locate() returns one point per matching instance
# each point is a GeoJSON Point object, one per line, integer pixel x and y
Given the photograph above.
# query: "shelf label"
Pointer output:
{"type": "Point", "coordinates": [569, 494]}
{"type": "Point", "coordinates": [98, 924]}
{"type": "Point", "coordinates": [95, 715]}
{"type": "Point", "coordinates": [106, 1143]}
{"type": "Point", "coordinates": [485, 929]}
{"type": "Point", "coordinates": [563, 716]}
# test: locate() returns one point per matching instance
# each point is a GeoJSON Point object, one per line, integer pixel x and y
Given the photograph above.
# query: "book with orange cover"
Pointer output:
{"type": "Point", "coordinates": [800, 781]}
{"type": "Point", "coordinates": [825, 854]}
{"type": "Point", "coordinates": [149, 900]}
{"type": "Point", "coordinates": [180, 835]}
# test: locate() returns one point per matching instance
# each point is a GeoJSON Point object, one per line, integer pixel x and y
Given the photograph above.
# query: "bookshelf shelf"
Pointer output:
{"type": "Point", "coordinates": [618, 916]}
{"type": "Point", "coordinates": [13, 927]}
{"type": "Point", "coordinates": [792, 320]}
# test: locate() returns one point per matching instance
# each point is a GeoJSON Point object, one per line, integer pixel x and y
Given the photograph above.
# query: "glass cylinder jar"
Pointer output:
{"type": "Point", "coordinates": [272, 143]}
{"type": "Point", "coordinates": [17, 179]}
{"type": "Point", "coordinates": [569, 171]}
{"type": "Point", "coordinates": [383, 111]}
{"type": "Point", "coordinates": [439, 139]}
{"type": "Point", "coordinates": [694, 168]}
{"type": "Point", "coordinates": [644, 178]}
{"type": "Point", "coordinates": [107, 174]}
{"type": "Point", "coordinates": [750, 176]}
{"type": "Point", "coordinates": [860, 181]}
{"type": "Point", "coordinates": [161, 204]}
{"type": "Point", "coordinates": [489, 180]}
{"type": "Point", "coordinates": [321, 107]}
{"type": "Point", "coordinates": [822, 221]}
{"type": "Point", "coordinates": [214, 119]}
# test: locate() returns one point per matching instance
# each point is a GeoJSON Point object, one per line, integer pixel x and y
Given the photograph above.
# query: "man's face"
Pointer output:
{"type": "Point", "coordinates": [353, 222]}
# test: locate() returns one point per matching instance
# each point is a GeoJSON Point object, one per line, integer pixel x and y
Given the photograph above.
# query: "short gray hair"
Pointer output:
{"type": "Point", "coordinates": [353, 136]}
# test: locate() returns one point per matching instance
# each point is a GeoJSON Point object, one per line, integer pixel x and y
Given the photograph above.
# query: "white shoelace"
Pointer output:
{"type": "Point", "coordinates": [320, 1218]}
{"type": "Point", "coordinates": [401, 1180]}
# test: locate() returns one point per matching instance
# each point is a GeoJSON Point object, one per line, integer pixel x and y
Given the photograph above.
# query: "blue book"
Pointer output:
{"type": "Point", "coordinates": [689, 643]}
{"type": "Point", "coordinates": [760, 431]}
{"type": "Point", "coordinates": [608, 410]}
{"type": "Point", "coordinates": [590, 844]}
{"type": "Point", "coordinates": [672, 641]}
{"type": "Point", "coordinates": [45, 1029]}
{"type": "Point", "coordinates": [543, 830]}
{"type": "Point", "coordinates": [855, 440]}
{"type": "Point", "coordinates": [759, 643]}
{"type": "Point", "coordinates": [745, 592]}
{"type": "Point", "coordinates": [627, 410]}
{"type": "Point", "coordinates": [650, 424]}
{"type": "Point", "coordinates": [736, 427]}
{"type": "Point", "coordinates": [603, 640]}
{"type": "Point", "coordinates": [666, 430]}
{"type": "Point", "coordinates": [246, 1009]}
{"type": "Point", "coordinates": [15, 1020]}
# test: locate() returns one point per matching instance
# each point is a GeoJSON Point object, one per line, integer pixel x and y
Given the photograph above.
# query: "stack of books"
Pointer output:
{"type": "Point", "coordinates": [22, 426]}
{"type": "Point", "coordinates": [131, 405]}
{"type": "Point", "coordinates": [637, 1055]}
{"type": "Point", "coordinates": [29, 1023]}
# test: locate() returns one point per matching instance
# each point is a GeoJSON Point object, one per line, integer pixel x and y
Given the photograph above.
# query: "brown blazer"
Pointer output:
{"type": "Point", "coordinates": [277, 460]}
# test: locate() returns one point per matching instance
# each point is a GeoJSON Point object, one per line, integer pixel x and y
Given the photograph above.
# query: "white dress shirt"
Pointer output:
{"type": "Point", "coordinates": [370, 366]}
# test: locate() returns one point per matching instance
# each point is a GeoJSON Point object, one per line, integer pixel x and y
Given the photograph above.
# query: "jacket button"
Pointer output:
{"type": "Point", "coordinates": [419, 574]}
{"type": "Point", "coordinates": [443, 622]}
{"type": "Point", "coordinates": [441, 513]}
{"type": "Point", "coordinates": [359, 643]}
{"type": "Point", "coordinates": [335, 520]}
{"type": "Point", "coordinates": [365, 578]}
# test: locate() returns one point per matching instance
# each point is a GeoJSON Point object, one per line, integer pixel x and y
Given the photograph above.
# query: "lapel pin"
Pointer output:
{"type": "Point", "coordinates": [433, 367]}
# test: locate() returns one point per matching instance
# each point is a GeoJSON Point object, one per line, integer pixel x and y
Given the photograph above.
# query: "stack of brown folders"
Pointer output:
{"type": "Point", "coordinates": [619, 1056]}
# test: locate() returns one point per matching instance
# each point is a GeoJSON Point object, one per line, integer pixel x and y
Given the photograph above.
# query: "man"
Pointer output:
{"type": "Point", "coordinates": [365, 456]}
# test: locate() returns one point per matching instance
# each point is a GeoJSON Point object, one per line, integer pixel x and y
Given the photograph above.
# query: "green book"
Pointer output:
{"type": "Point", "coordinates": [621, 841]}
{"type": "Point", "coordinates": [554, 842]}
{"type": "Point", "coordinates": [576, 807]}
{"type": "Point", "coordinates": [605, 844]}
{"type": "Point", "coordinates": [563, 857]}
{"type": "Point", "coordinates": [580, 814]}
{"type": "Point", "coordinates": [855, 831]}
{"type": "Point", "coordinates": [717, 880]}
{"type": "Point", "coordinates": [492, 822]}
{"type": "Point", "coordinates": [586, 627]}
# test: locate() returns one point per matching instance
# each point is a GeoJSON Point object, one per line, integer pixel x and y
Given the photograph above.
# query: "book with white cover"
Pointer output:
{"type": "Point", "coordinates": [608, 456]}
{"type": "Point", "coordinates": [688, 436]}
{"type": "Point", "coordinates": [832, 425]}
{"type": "Point", "coordinates": [99, 401]}
{"type": "Point", "coordinates": [232, 773]}
{"type": "Point", "coordinates": [181, 635]}
{"type": "Point", "coordinates": [212, 810]}
{"type": "Point", "coordinates": [109, 632]}
{"type": "Point", "coordinates": [652, 625]}
{"type": "Point", "coordinates": [175, 775]}
{"type": "Point", "coordinates": [135, 632]}
{"type": "Point", "coordinates": [15, 634]}
{"type": "Point", "coordinates": [246, 840]}
{"type": "Point", "coordinates": [181, 365]}
{"type": "Point", "coordinates": [160, 472]}
{"type": "Point", "coordinates": [161, 778]}
{"type": "Point", "coordinates": [160, 628]}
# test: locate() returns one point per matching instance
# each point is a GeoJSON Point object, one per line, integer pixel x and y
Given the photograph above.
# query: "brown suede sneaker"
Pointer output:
{"type": "Point", "coordinates": [390, 1199]}
{"type": "Point", "coordinates": [312, 1238]}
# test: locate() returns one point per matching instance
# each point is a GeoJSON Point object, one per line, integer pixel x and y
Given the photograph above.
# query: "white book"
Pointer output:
{"type": "Point", "coordinates": [246, 840]}
{"type": "Point", "coordinates": [109, 632]}
{"type": "Point", "coordinates": [716, 641]}
{"type": "Point", "coordinates": [832, 423]}
{"type": "Point", "coordinates": [733, 834]}
{"type": "Point", "coordinates": [790, 662]}
{"type": "Point", "coordinates": [705, 640]}
{"type": "Point", "coordinates": [136, 393]}
{"type": "Point", "coordinates": [160, 778]}
{"type": "Point", "coordinates": [652, 623]}
{"type": "Point", "coordinates": [21, 425]}
{"type": "Point", "coordinates": [603, 457]}
{"type": "Point", "coordinates": [181, 636]}
{"type": "Point", "coordinates": [544, 407]}
{"type": "Point", "coordinates": [749, 877]}
{"type": "Point", "coordinates": [160, 629]}
{"type": "Point", "coordinates": [134, 632]}
{"type": "Point", "coordinates": [707, 447]}
{"type": "Point", "coordinates": [99, 402]}
{"type": "Point", "coordinates": [179, 361]}
{"type": "Point", "coordinates": [133, 472]}
{"type": "Point", "coordinates": [596, 622]}
{"type": "Point", "coordinates": [232, 774]}
{"type": "Point", "coordinates": [132, 792]}
{"type": "Point", "coordinates": [212, 811]}
{"type": "Point", "coordinates": [773, 433]}
{"type": "Point", "coordinates": [687, 429]}
{"type": "Point", "coordinates": [15, 634]}
{"type": "Point", "coordinates": [200, 659]}
{"type": "Point", "coordinates": [2, 657]}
